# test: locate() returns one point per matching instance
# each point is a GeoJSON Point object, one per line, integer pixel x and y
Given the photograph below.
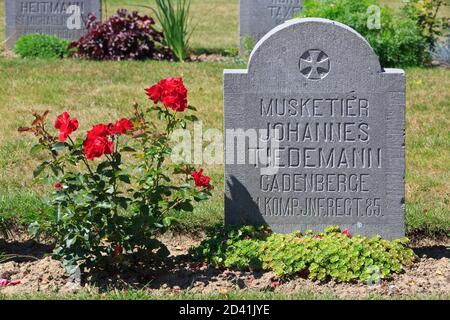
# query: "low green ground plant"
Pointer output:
{"type": "Point", "coordinates": [333, 254]}
{"type": "Point", "coordinates": [41, 46]}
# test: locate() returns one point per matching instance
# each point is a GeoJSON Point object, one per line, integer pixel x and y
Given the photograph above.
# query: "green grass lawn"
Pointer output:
{"type": "Point", "coordinates": [184, 295]}
{"type": "Point", "coordinates": [94, 91]}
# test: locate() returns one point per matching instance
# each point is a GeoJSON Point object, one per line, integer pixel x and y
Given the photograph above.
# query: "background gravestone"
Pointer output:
{"type": "Point", "coordinates": [317, 88]}
{"type": "Point", "coordinates": [61, 18]}
{"type": "Point", "coordinates": [257, 17]}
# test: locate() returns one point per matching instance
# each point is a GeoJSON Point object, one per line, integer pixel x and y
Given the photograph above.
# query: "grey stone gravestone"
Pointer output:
{"type": "Point", "coordinates": [62, 18]}
{"type": "Point", "coordinates": [257, 17]}
{"type": "Point", "coordinates": [315, 134]}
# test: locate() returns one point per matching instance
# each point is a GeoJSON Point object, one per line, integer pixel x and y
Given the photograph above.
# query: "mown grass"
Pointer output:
{"type": "Point", "coordinates": [428, 150]}
{"type": "Point", "coordinates": [185, 295]}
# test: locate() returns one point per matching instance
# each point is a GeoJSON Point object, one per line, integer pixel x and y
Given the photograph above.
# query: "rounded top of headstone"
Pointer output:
{"type": "Point", "coordinates": [316, 49]}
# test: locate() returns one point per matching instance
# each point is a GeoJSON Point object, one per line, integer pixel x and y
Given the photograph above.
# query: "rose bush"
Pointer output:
{"type": "Point", "coordinates": [108, 205]}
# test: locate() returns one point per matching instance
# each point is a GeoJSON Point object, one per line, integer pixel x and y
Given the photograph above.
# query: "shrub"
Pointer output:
{"type": "Point", "coordinates": [425, 12]}
{"type": "Point", "coordinates": [113, 207]}
{"type": "Point", "coordinates": [329, 255]}
{"type": "Point", "coordinates": [174, 19]}
{"type": "Point", "coordinates": [123, 36]}
{"type": "Point", "coordinates": [398, 42]}
{"type": "Point", "coordinates": [41, 46]}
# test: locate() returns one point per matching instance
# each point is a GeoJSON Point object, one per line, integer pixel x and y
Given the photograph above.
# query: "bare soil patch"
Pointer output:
{"type": "Point", "coordinates": [430, 276]}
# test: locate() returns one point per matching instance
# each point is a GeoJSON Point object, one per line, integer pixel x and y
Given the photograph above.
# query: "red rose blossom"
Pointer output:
{"type": "Point", "coordinates": [65, 125]}
{"type": "Point", "coordinates": [346, 232]}
{"type": "Point", "coordinates": [154, 92]}
{"type": "Point", "coordinates": [171, 92]}
{"type": "Point", "coordinates": [99, 130]}
{"type": "Point", "coordinates": [58, 185]}
{"type": "Point", "coordinates": [200, 179]}
{"type": "Point", "coordinates": [121, 126]}
{"type": "Point", "coordinates": [97, 142]}
{"type": "Point", "coordinates": [97, 147]}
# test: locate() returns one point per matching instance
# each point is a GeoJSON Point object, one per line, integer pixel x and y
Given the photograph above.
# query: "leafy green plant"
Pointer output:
{"type": "Point", "coordinates": [173, 15]}
{"type": "Point", "coordinates": [399, 40]}
{"type": "Point", "coordinates": [247, 45]}
{"type": "Point", "coordinates": [41, 46]}
{"type": "Point", "coordinates": [425, 12]}
{"type": "Point", "coordinates": [244, 254]}
{"type": "Point", "coordinates": [220, 244]}
{"type": "Point", "coordinates": [329, 255]}
{"type": "Point", "coordinates": [113, 207]}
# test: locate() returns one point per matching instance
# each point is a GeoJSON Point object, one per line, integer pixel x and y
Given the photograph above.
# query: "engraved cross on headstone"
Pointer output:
{"type": "Point", "coordinates": [314, 64]}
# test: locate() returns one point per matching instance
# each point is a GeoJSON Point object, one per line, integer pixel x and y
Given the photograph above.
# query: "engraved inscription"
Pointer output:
{"type": "Point", "coordinates": [258, 17]}
{"type": "Point", "coordinates": [62, 18]}
{"type": "Point", "coordinates": [45, 13]}
{"type": "Point", "coordinates": [282, 10]}
{"type": "Point", "coordinates": [47, 7]}
{"type": "Point", "coordinates": [327, 158]}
